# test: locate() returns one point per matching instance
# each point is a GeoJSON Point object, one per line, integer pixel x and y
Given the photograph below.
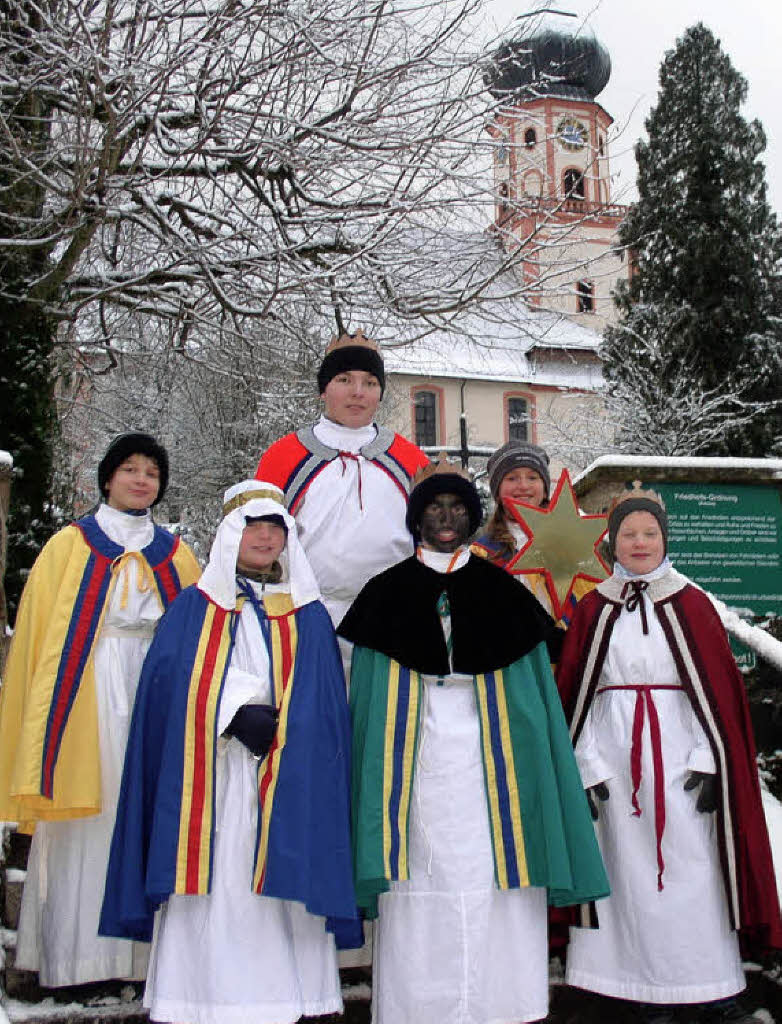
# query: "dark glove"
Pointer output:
{"type": "Point", "coordinates": [254, 725]}
{"type": "Point", "coordinates": [555, 637]}
{"type": "Point", "coordinates": [601, 792]}
{"type": "Point", "coordinates": [709, 794]}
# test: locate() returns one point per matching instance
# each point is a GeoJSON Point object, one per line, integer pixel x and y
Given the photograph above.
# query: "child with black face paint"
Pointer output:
{"type": "Point", "coordinates": [663, 740]}
{"type": "Point", "coordinates": [468, 812]}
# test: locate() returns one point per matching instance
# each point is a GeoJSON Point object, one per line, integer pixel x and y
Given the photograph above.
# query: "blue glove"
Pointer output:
{"type": "Point", "coordinates": [254, 725]}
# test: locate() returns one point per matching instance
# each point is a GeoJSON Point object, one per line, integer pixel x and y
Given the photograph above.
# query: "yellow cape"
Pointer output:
{"type": "Point", "coordinates": [46, 614]}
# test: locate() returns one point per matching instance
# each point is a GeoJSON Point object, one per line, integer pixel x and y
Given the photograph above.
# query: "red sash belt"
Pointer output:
{"type": "Point", "coordinates": [645, 700]}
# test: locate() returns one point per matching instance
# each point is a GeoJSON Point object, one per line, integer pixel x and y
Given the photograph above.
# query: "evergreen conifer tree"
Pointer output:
{"type": "Point", "coordinates": [28, 420]}
{"type": "Point", "coordinates": [705, 248]}
{"type": "Point", "coordinates": [28, 427]}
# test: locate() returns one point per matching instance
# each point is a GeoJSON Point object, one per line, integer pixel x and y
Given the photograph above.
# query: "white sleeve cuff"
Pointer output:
{"type": "Point", "coordinates": [594, 770]}
{"type": "Point", "coordinates": [240, 688]}
{"type": "Point", "coordinates": [701, 759]}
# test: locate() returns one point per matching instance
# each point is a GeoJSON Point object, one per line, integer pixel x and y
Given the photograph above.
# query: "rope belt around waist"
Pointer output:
{"type": "Point", "coordinates": [644, 701]}
{"type": "Point", "coordinates": [144, 632]}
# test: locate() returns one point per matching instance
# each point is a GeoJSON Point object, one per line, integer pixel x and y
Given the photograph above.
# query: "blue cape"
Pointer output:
{"type": "Point", "coordinates": [308, 857]}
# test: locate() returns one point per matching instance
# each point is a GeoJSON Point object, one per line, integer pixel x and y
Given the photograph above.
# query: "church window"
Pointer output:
{"type": "Point", "coordinates": [585, 297]}
{"type": "Point", "coordinates": [573, 180]}
{"type": "Point", "coordinates": [425, 418]}
{"type": "Point", "coordinates": [530, 138]}
{"type": "Point", "coordinates": [503, 197]}
{"type": "Point", "coordinates": [518, 419]}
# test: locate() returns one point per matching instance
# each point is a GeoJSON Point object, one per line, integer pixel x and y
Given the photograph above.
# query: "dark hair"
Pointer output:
{"type": "Point", "coordinates": [497, 530]}
{"type": "Point", "coordinates": [125, 445]}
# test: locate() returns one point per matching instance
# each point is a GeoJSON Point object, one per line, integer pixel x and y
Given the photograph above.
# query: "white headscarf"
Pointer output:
{"type": "Point", "coordinates": [254, 498]}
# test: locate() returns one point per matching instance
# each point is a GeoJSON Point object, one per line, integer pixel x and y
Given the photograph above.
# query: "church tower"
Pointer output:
{"type": "Point", "coordinates": [552, 171]}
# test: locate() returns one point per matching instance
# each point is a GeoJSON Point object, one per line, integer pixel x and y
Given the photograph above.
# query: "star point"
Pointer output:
{"type": "Point", "coordinates": [562, 543]}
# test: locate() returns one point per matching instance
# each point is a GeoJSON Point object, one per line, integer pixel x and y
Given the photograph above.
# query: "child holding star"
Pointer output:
{"type": "Point", "coordinates": [519, 473]}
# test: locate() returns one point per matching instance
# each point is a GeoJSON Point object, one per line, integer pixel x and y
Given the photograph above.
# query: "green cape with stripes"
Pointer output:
{"type": "Point", "coordinates": [541, 828]}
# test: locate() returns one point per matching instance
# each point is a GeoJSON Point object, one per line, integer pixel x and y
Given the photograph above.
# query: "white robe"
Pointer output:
{"type": "Point", "coordinates": [351, 536]}
{"type": "Point", "coordinates": [450, 948]}
{"type": "Point", "coordinates": [674, 945]}
{"type": "Point", "coordinates": [234, 957]}
{"type": "Point", "coordinates": [66, 869]}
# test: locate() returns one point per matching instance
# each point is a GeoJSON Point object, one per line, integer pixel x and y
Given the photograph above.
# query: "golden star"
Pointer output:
{"type": "Point", "coordinates": [562, 544]}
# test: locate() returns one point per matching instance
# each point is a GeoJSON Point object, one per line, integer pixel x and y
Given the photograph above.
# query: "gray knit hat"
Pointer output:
{"type": "Point", "coordinates": [513, 455]}
{"type": "Point", "coordinates": [635, 501]}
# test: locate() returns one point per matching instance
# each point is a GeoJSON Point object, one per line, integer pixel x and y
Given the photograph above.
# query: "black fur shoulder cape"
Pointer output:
{"type": "Point", "coordinates": [494, 619]}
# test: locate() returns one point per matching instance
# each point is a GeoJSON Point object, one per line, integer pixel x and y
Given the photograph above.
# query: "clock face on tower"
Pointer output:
{"type": "Point", "coordinates": [572, 133]}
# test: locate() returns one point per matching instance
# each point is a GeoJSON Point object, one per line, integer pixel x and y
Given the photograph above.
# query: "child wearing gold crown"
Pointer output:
{"type": "Point", "coordinates": [659, 719]}
{"type": "Point", "coordinates": [468, 811]}
{"type": "Point", "coordinates": [345, 478]}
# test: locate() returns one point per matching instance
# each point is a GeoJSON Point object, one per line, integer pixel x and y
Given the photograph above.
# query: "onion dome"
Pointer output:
{"type": "Point", "coordinates": [549, 62]}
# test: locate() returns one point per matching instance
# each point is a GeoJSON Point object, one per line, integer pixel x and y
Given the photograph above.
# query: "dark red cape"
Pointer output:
{"type": "Point", "coordinates": [715, 686]}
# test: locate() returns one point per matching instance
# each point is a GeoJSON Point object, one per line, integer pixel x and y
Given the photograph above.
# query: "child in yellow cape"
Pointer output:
{"type": "Point", "coordinates": [85, 622]}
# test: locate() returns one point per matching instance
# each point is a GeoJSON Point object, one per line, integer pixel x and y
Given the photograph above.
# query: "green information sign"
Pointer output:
{"type": "Point", "coordinates": [746, 658]}
{"type": "Point", "coordinates": [727, 538]}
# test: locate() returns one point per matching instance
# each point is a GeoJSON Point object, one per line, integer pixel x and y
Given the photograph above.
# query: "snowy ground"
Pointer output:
{"type": "Point", "coordinates": [568, 1006]}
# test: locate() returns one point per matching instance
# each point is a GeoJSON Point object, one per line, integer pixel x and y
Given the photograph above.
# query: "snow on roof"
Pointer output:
{"type": "Point", "coordinates": [485, 329]}
{"type": "Point", "coordinates": [771, 467]}
{"type": "Point", "coordinates": [6, 459]}
{"type": "Point", "coordinates": [504, 341]}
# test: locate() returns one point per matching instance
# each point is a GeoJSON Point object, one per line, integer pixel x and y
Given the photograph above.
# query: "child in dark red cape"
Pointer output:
{"type": "Point", "coordinates": [660, 723]}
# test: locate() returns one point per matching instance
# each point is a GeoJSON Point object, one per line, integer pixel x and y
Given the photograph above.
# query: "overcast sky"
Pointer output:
{"type": "Point", "coordinates": [637, 33]}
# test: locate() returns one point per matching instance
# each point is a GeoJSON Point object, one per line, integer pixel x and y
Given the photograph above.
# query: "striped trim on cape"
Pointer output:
{"type": "Point", "coordinates": [316, 456]}
{"type": "Point", "coordinates": [196, 822]}
{"type": "Point", "coordinates": [85, 620]}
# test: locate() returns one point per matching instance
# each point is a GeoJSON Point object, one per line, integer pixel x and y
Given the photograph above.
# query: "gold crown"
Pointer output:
{"type": "Point", "coordinates": [351, 340]}
{"type": "Point", "coordinates": [441, 466]}
{"type": "Point", "coordinates": [635, 492]}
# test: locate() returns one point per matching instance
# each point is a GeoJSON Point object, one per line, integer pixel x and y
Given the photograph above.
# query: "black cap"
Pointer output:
{"type": "Point", "coordinates": [348, 357]}
{"type": "Point", "coordinates": [442, 483]}
{"type": "Point", "coordinates": [622, 509]}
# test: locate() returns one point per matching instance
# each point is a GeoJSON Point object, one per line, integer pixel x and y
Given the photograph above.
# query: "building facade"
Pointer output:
{"type": "Point", "coordinates": [536, 377]}
{"type": "Point", "coordinates": [552, 170]}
